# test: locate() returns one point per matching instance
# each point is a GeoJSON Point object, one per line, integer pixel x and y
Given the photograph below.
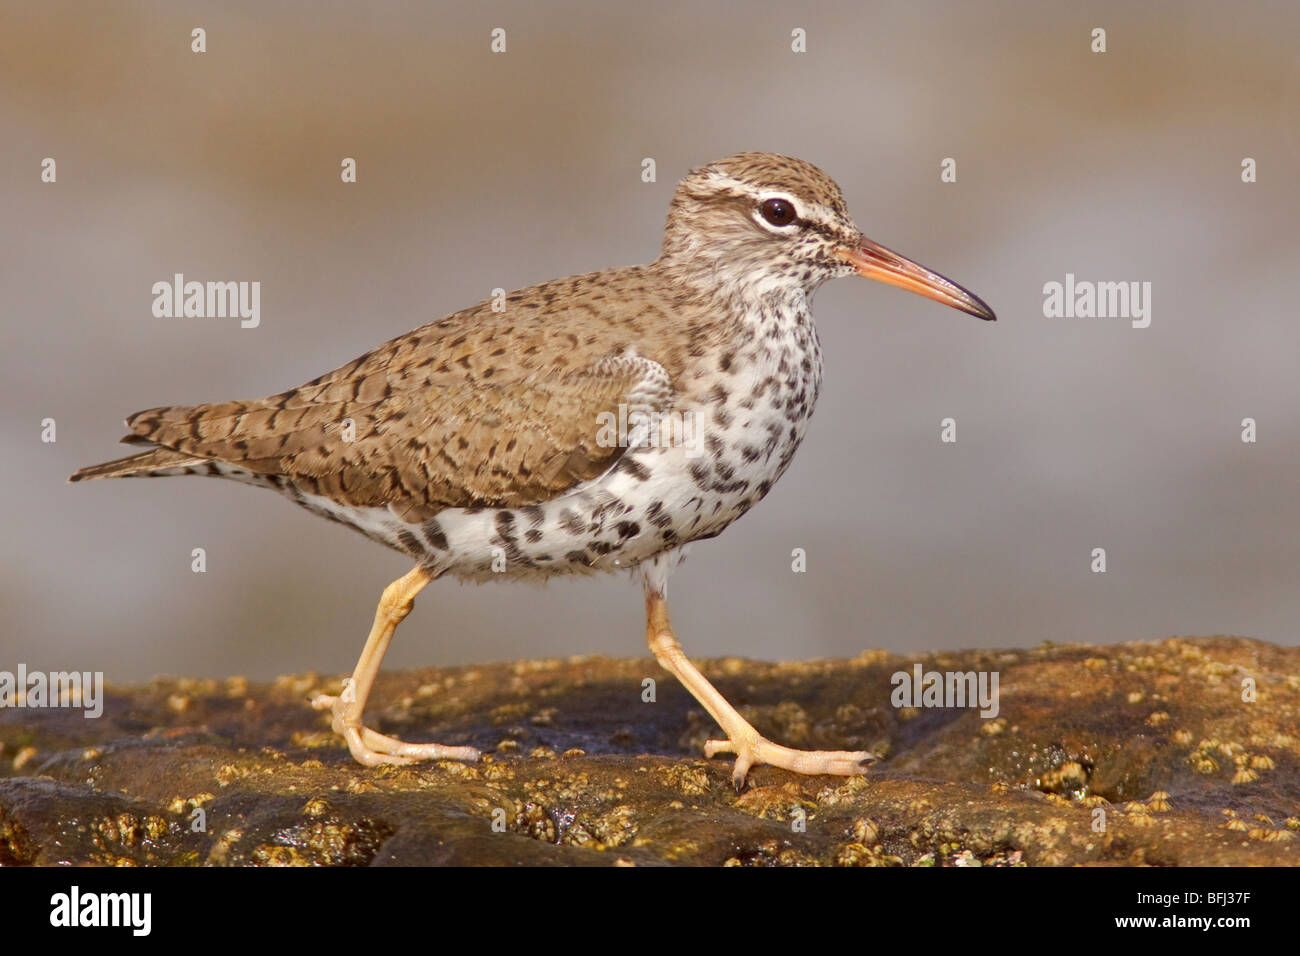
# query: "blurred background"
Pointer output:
{"type": "Point", "coordinates": [478, 170]}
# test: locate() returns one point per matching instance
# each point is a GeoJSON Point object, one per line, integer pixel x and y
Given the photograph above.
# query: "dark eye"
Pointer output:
{"type": "Point", "coordinates": [779, 212]}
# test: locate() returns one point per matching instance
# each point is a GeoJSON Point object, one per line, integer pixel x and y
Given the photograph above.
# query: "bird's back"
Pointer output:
{"type": "Point", "coordinates": [486, 407]}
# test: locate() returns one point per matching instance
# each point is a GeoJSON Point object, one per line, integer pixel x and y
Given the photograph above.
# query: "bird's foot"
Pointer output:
{"type": "Point", "coordinates": [753, 750]}
{"type": "Point", "coordinates": [372, 748]}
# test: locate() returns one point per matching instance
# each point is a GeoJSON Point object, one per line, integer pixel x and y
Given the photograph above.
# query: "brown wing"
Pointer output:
{"type": "Point", "coordinates": [475, 410]}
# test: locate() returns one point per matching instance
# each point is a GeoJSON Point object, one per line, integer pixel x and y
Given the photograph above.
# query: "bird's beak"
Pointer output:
{"type": "Point", "coordinates": [876, 262]}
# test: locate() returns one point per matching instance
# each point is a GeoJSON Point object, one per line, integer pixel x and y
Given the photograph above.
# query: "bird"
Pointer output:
{"type": "Point", "coordinates": [603, 422]}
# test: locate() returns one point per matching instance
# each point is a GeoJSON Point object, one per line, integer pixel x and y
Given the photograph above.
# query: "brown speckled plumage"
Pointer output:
{"type": "Point", "coordinates": [479, 446]}
{"type": "Point", "coordinates": [480, 409]}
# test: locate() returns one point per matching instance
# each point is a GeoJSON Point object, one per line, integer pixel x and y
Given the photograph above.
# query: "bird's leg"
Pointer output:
{"type": "Point", "coordinates": [749, 746]}
{"type": "Point", "coordinates": [367, 746]}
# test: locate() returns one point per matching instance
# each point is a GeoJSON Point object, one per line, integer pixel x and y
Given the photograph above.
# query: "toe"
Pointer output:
{"type": "Point", "coordinates": [714, 747]}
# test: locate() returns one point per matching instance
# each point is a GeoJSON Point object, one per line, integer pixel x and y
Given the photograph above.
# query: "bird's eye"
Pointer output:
{"type": "Point", "coordinates": [779, 212]}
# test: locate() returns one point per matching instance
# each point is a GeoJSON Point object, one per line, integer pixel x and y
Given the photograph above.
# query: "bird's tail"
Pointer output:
{"type": "Point", "coordinates": [148, 464]}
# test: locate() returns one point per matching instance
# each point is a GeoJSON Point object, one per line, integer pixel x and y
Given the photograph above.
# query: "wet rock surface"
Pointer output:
{"type": "Point", "coordinates": [1183, 752]}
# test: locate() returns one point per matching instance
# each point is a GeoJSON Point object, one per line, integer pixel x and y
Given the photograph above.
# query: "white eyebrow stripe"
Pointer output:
{"type": "Point", "coordinates": [811, 211]}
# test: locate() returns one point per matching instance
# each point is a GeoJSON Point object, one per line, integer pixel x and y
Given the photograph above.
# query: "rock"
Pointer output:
{"type": "Point", "coordinates": [1126, 754]}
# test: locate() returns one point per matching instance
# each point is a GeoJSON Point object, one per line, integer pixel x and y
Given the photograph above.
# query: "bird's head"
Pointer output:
{"type": "Point", "coordinates": [766, 224]}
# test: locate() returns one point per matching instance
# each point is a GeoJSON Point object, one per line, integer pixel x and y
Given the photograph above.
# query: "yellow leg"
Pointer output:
{"type": "Point", "coordinates": [749, 746]}
{"type": "Point", "coordinates": [367, 746]}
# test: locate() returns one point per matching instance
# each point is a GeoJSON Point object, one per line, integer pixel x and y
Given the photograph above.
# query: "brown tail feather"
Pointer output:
{"type": "Point", "coordinates": [144, 464]}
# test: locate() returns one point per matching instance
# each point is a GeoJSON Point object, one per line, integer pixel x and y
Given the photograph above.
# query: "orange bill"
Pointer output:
{"type": "Point", "coordinates": [876, 262]}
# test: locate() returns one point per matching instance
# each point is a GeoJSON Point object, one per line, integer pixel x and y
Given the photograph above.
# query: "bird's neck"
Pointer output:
{"type": "Point", "coordinates": [771, 297]}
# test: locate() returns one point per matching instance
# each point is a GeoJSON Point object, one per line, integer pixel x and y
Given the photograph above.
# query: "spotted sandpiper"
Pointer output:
{"type": "Point", "coordinates": [481, 445]}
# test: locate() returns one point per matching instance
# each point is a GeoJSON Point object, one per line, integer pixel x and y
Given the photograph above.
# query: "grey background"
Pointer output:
{"type": "Point", "coordinates": [480, 170]}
